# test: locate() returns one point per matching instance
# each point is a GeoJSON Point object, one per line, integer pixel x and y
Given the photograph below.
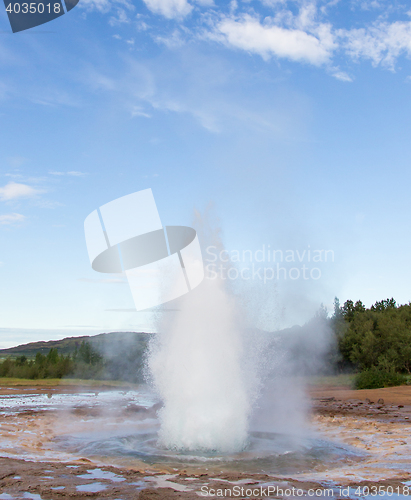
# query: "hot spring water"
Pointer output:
{"type": "Point", "coordinates": [122, 428]}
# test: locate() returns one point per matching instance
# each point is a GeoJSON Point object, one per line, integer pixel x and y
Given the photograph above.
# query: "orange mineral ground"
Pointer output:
{"type": "Point", "coordinates": [374, 424]}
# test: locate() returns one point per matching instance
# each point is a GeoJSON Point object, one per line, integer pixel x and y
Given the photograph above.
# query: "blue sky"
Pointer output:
{"type": "Point", "coordinates": [292, 119]}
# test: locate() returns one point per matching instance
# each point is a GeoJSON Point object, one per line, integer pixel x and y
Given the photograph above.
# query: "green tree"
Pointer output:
{"type": "Point", "coordinates": [382, 305]}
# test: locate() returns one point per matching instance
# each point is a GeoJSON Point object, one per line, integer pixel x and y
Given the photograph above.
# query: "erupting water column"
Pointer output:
{"type": "Point", "coordinates": [198, 368]}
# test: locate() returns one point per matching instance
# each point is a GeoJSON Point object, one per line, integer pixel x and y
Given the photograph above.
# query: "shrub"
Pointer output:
{"type": "Point", "coordinates": [375, 378]}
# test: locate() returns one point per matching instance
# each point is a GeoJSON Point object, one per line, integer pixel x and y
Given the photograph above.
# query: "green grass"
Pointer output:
{"type": "Point", "coordinates": [52, 382]}
{"type": "Point", "coordinates": [334, 380]}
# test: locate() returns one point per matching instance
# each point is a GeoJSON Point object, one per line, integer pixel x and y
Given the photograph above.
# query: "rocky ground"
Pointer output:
{"type": "Point", "coordinates": [375, 422]}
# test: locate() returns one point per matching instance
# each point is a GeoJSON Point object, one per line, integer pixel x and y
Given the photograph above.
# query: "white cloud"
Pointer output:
{"type": "Point", "coordinates": [205, 3]}
{"type": "Point", "coordinates": [8, 219]}
{"type": "Point", "coordinates": [169, 8]}
{"type": "Point", "coordinates": [99, 5]}
{"type": "Point", "coordinates": [76, 174]}
{"type": "Point", "coordinates": [173, 41]}
{"type": "Point", "coordinates": [14, 190]}
{"type": "Point", "coordinates": [54, 97]}
{"type": "Point", "coordinates": [298, 30]}
{"type": "Point", "coordinates": [341, 75]}
{"type": "Point", "coordinates": [73, 173]}
{"type": "Point", "coordinates": [15, 176]}
{"type": "Point", "coordinates": [373, 4]}
{"type": "Point", "coordinates": [105, 6]}
{"type": "Point", "coordinates": [121, 8]}
{"type": "Point", "coordinates": [382, 43]}
{"type": "Point", "coordinates": [138, 111]}
{"type": "Point", "coordinates": [271, 40]}
{"type": "Point", "coordinates": [50, 205]}
{"type": "Point", "coordinates": [120, 18]}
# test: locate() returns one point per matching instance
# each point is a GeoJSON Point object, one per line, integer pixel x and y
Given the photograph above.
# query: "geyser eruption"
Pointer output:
{"type": "Point", "coordinates": [199, 368]}
{"type": "Point", "coordinates": [212, 368]}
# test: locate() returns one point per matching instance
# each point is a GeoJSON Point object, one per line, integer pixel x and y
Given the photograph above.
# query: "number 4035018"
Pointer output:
{"type": "Point", "coordinates": [33, 8]}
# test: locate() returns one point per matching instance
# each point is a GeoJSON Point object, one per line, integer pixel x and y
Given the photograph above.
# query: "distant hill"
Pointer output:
{"type": "Point", "coordinates": [64, 346]}
{"type": "Point", "coordinates": [103, 342]}
{"type": "Point", "coordinates": [123, 352]}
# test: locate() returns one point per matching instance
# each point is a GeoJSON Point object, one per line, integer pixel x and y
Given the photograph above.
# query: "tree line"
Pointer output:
{"type": "Point", "coordinates": [85, 363]}
{"type": "Point", "coordinates": [375, 342]}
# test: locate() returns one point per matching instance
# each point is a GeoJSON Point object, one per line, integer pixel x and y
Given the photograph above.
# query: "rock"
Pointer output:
{"type": "Point", "coordinates": [380, 401]}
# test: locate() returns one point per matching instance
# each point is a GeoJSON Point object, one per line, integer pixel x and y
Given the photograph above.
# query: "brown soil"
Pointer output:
{"type": "Point", "coordinates": [391, 395]}
{"type": "Point", "coordinates": [356, 418]}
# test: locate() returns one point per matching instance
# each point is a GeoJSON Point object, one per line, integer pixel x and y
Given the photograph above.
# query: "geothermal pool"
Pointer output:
{"type": "Point", "coordinates": [119, 426]}
{"type": "Point", "coordinates": [80, 441]}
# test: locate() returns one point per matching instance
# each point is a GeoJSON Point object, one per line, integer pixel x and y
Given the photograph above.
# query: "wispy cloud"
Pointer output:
{"type": "Point", "coordinates": [383, 43]}
{"type": "Point", "coordinates": [9, 219]}
{"type": "Point", "coordinates": [301, 31]}
{"type": "Point", "coordinates": [144, 89]}
{"type": "Point", "coordinates": [14, 190]}
{"type": "Point", "coordinates": [72, 173]}
{"type": "Point", "coordinates": [173, 41]}
{"type": "Point", "coordinates": [340, 75]}
{"type": "Point", "coordinates": [15, 176]}
{"type": "Point", "coordinates": [169, 8]}
{"type": "Point", "coordinates": [105, 6]}
{"type": "Point", "coordinates": [119, 10]}
{"type": "Point", "coordinates": [306, 35]}
{"type": "Point", "coordinates": [138, 111]}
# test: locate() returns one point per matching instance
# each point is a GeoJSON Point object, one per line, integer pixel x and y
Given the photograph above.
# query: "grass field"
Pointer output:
{"type": "Point", "coordinates": [334, 380]}
{"type": "Point", "coordinates": [330, 380]}
{"type": "Point", "coordinates": [53, 382]}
